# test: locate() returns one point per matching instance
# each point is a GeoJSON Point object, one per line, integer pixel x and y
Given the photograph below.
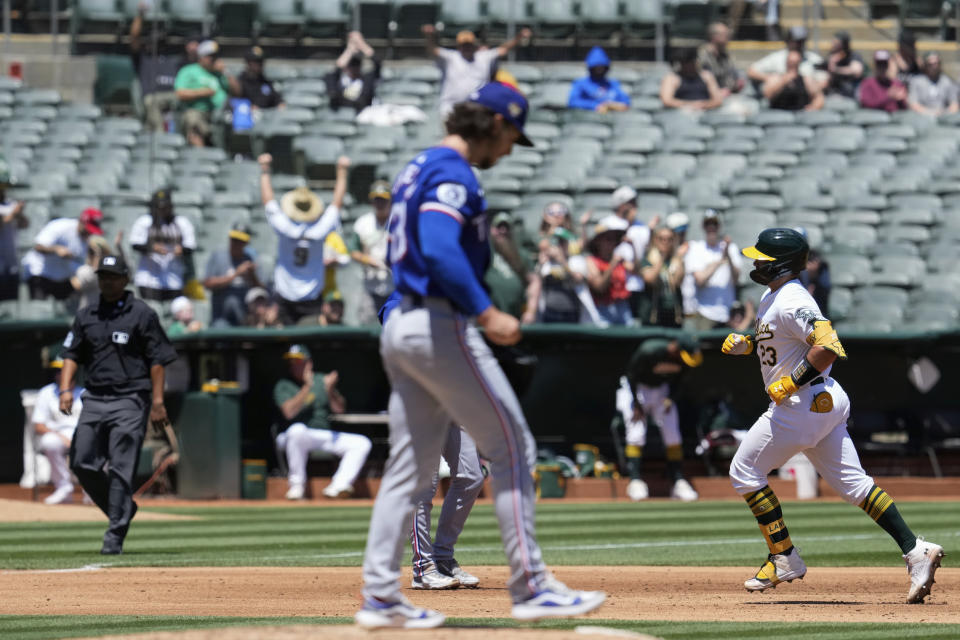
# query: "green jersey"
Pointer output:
{"type": "Point", "coordinates": [645, 359]}
{"type": "Point", "coordinates": [193, 76]}
{"type": "Point", "coordinates": [316, 409]}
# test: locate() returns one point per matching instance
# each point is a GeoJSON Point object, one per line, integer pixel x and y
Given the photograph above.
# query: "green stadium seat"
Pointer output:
{"type": "Point", "coordinates": [189, 16]}
{"type": "Point", "coordinates": [600, 18]}
{"type": "Point", "coordinates": [803, 218]}
{"type": "Point", "coordinates": [849, 270]}
{"type": "Point", "coordinates": [96, 16]}
{"type": "Point", "coordinates": [501, 12]}
{"type": "Point", "coordinates": [410, 15]}
{"type": "Point", "coordinates": [279, 17]}
{"type": "Point", "coordinates": [731, 145]}
{"type": "Point", "coordinates": [923, 201]}
{"type": "Point", "coordinates": [749, 185]}
{"type": "Point", "coordinates": [324, 18]}
{"type": "Point", "coordinates": [769, 117]}
{"type": "Point", "coordinates": [775, 158]}
{"type": "Point", "coordinates": [866, 117]}
{"type": "Point", "coordinates": [751, 132]}
{"type": "Point", "coordinates": [236, 18]}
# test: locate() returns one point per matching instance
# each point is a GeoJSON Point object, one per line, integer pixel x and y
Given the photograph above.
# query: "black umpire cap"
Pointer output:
{"type": "Point", "coordinates": [113, 264]}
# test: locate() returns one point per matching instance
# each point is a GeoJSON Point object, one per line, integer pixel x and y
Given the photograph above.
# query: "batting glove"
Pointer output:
{"type": "Point", "coordinates": [781, 389]}
{"type": "Point", "coordinates": [737, 345]}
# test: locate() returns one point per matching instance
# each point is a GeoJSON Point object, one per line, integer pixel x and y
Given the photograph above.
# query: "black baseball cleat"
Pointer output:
{"type": "Point", "coordinates": [111, 550]}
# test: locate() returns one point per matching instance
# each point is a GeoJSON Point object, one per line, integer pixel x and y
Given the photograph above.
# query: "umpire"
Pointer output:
{"type": "Point", "coordinates": [124, 350]}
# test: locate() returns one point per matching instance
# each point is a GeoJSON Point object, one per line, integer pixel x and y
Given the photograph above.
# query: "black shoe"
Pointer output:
{"type": "Point", "coordinates": [111, 549]}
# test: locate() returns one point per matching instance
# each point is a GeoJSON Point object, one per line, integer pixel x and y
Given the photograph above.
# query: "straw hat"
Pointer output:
{"type": "Point", "coordinates": [301, 205]}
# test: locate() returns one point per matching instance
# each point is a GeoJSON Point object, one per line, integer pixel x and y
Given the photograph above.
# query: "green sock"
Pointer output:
{"type": "Point", "coordinates": [884, 512]}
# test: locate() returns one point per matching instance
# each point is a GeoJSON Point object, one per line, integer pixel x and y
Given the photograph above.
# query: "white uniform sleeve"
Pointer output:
{"type": "Point", "coordinates": [41, 409]}
{"type": "Point", "coordinates": [798, 315]}
{"type": "Point", "coordinates": [329, 221]}
{"type": "Point", "coordinates": [49, 234]}
{"type": "Point", "coordinates": [140, 231]}
{"type": "Point", "coordinates": [279, 222]}
{"type": "Point", "coordinates": [188, 238]}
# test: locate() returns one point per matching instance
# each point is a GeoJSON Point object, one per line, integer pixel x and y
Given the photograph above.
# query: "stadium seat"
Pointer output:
{"type": "Point", "coordinates": [96, 16]}
{"type": "Point", "coordinates": [600, 18]}
{"type": "Point", "coordinates": [848, 270]}
{"type": "Point", "coordinates": [279, 17]}
{"type": "Point", "coordinates": [409, 15]}
{"type": "Point", "coordinates": [236, 18]}
{"type": "Point", "coordinates": [462, 14]}
{"type": "Point", "coordinates": [189, 16]}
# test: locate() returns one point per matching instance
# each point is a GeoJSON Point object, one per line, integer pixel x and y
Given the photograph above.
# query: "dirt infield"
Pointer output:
{"type": "Point", "coordinates": [20, 511]}
{"type": "Point", "coordinates": [340, 632]}
{"type": "Point", "coordinates": [636, 593]}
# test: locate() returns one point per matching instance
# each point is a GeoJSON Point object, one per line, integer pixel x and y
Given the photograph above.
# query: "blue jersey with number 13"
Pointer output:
{"type": "Point", "coordinates": [439, 182]}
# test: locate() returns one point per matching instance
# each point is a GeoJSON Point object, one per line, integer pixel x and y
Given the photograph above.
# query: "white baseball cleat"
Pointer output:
{"type": "Point", "coordinates": [922, 562]}
{"type": "Point", "coordinates": [63, 495]}
{"type": "Point", "coordinates": [452, 568]}
{"type": "Point", "coordinates": [376, 614]}
{"type": "Point", "coordinates": [637, 490]}
{"type": "Point", "coordinates": [335, 492]}
{"type": "Point", "coordinates": [778, 568]}
{"type": "Point", "coordinates": [430, 578]}
{"type": "Point", "coordinates": [295, 492]}
{"type": "Point", "coordinates": [683, 490]}
{"type": "Point", "coordinates": [558, 603]}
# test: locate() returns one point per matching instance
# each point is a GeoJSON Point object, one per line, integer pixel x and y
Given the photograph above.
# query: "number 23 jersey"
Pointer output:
{"type": "Point", "coordinates": [785, 321]}
{"type": "Point", "coordinates": [437, 180]}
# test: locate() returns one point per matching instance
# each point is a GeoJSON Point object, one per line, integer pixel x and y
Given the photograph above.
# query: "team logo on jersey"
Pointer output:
{"type": "Point", "coordinates": [121, 337]}
{"type": "Point", "coordinates": [764, 332]}
{"type": "Point", "coordinates": [452, 194]}
{"type": "Point", "coordinates": [810, 316]}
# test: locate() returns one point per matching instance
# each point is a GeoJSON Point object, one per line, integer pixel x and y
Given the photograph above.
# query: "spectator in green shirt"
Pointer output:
{"type": "Point", "coordinates": [202, 90]}
{"type": "Point", "coordinates": [305, 402]}
{"type": "Point", "coordinates": [510, 278]}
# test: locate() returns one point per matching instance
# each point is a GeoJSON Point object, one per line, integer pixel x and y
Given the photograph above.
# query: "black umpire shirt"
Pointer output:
{"type": "Point", "coordinates": [118, 343]}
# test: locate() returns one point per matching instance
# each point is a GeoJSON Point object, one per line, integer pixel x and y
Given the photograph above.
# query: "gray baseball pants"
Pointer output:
{"type": "Point", "coordinates": [441, 371]}
{"type": "Point", "coordinates": [466, 481]}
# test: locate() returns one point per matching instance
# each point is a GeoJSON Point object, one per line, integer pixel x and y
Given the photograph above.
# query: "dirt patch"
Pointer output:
{"type": "Point", "coordinates": [20, 511]}
{"type": "Point", "coordinates": [636, 593]}
{"type": "Point", "coordinates": [340, 632]}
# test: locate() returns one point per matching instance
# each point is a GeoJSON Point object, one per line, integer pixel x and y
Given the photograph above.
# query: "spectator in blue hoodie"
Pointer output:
{"type": "Point", "coordinates": [596, 92]}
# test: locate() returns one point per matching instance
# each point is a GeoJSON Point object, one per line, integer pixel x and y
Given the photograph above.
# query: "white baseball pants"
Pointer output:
{"type": "Point", "coordinates": [52, 445]}
{"type": "Point", "coordinates": [656, 404]}
{"type": "Point", "coordinates": [299, 440]}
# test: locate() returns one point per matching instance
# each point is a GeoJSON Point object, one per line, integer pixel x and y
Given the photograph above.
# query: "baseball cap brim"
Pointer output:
{"type": "Point", "coordinates": [509, 103]}
{"type": "Point", "coordinates": [240, 235]}
{"type": "Point", "coordinates": [755, 254]}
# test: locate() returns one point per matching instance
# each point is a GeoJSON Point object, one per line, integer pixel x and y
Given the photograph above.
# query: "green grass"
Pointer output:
{"type": "Point", "coordinates": [661, 533]}
{"type": "Point", "coordinates": [45, 627]}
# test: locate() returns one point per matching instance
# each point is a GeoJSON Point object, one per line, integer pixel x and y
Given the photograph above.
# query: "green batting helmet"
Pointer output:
{"type": "Point", "coordinates": [782, 251]}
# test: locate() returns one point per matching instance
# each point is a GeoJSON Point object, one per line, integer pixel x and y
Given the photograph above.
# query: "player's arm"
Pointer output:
{"type": "Point", "coordinates": [824, 350]}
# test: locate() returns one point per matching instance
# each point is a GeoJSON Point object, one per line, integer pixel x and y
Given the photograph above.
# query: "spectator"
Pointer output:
{"type": "Point", "coordinates": [302, 226]}
{"type": "Point", "coordinates": [54, 432]}
{"type": "Point", "coordinates": [509, 279]}
{"type": "Point", "coordinates": [305, 402]}
{"type": "Point", "coordinates": [816, 279]}
{"type": "Point", "coordinates": [634, 246]}
{"type": "Point", "coordinates": [335, 255]}
{"type": "Point", "coordinates": [715, 265]}
{"type": "Point", "coordinates": [596, 92]}
{"type": "Point", "coordinates": [348, 85]}
{"type": "Point", "coordinates": [165, 243]}
{"type": "Point", "coordinates": [932, 92]}
{"type": "Point", "coordinates": [793, 91]}
{"type": "Point", "coordinates": [251, 84]}
{"type": "Point", "coordinates": [714, 58]}
{"type": "Point", "coordinates": [331, 312]}
{"type": "Point", "coordinates": [561, 289]}
{"type": "Point", "coordinates": [742, 315]}
{"type": "Point", "coordinates": [12, 220]}
{"type": "Point", "coordinates": [84, 279]}
{"type": "Point", "coordinates": [881, 90]}
{"type": "Point", "coordinates": [689, 87]}
{"type": "Point", "coordinates": [230, 274]}
{"type": "Point", "coordinates": [201, 90]}
{"type": "Point", "coordinates": [467, 68]}
{"type": "Point", "coordinates": [556, 215]}
{"type": "Point", "coordinates": [662, 269]}
{"type": "Point", "coordinates": [262, 310]}
{"type": "Point", "coordinates": [606, 273]}
{"type": "Point", "coordinates": [775, 64]}
{"type": "Point", "coordinates": [369, 247]}
{"type": "Point", "coordinates": [679, 222]}
{"type": "Point", "coordinates": [58, 250]}
{"type": "Point", "coordinates": [904, 64]}
{"type": "Point", "coordinates": [184, 321]}
{"type": "Point", "coordinates": [845, 67]}
{"type": "Point", "coordinates": [157, 73]}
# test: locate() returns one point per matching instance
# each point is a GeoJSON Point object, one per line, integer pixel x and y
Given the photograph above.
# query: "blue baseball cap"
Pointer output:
{"type": "Point", "coordinates": [506, 101]}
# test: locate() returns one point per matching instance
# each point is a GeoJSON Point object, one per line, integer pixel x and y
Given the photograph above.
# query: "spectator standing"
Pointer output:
{"type": "Point", "coordinates": [59, 248]}
{"type": "Point", "coordinates": [165, 242]}
{"type": "Point", "coordinates": [715, 265]}
{"type": "Point", "coordinates": [262, 311]}
{"type": "Point", "coordinates": [556, 215]}
{"type": "Point", "coordinates": [202, 91]}
{"type": "Point", "coordinates": [597, 92]}
{"type": "Point", "coordinates": [12, 220]}
{"type": "Point", "coordinates": [305, 401]}
{"type": "Point", "coordinates": [634, 246]}
{"type": "Point", "coordinates": [845, 67]}
{"type": "Point", "coordinates": [302, 226]}
{"type": "Point", "coordinates": [184, 321]}
{"type": "Point", "coordinates": [157, 74]}
{"type": "Point", "coordinates": [368, 246]}
{"type": "Point", "coordinates": [606, 272]}
{"type": "Point", "coordinates": [54, 431]}
{"type": "Point", "coordinates": [932, 92]}
{"type": "Point", "coordinates": [661, 304]}
{"type": "Point", "coordinates": [230, 274]}
{"type": "Point", "coordinates": [775, 63]}
{"type": "Point", "coordinates": [793, 91]}
{"type": "Point", "coordinates": [84, 279]}
{"type": "Point", "coordinates": [882, 90]}
{"type": "Point", "coordinates": [687, 86]}
{"type": "Point", "coordinates": [714, 58]}
{"type": "Point", "coordinates": [466, 68]}
{"type": "Point", "coordinates": [562, 288]}
{"type": "Point", "coordinates": [253, 85]}
{"type": "Point", "coordinates": [348, 85]}
{"type": "Point", "coordinates": [508, 278]}
{"type": "Point", "coordinates": [904, 65]}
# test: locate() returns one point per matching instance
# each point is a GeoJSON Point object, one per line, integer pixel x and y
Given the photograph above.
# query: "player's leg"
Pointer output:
{"type": "Point", "coordinates": [758, 454]}
{"type": "Point", "coordinates": [53, 446]}
{"type": "Point", "coordinates": [425, 574]}
{"type": "Point", "coordinates": [88, 451]}
{"type": "Point", "coordinates": [466, 482]}
{"type": "Point", "coordinates": [665, 414]}
{"type": "Point", "coordinates": [297, 446]}
{"type": "Point", "coordinates": [127, 421]}
{"type": "Point", "coordinates": [352, 448]}
{"type": "Point", "coordinates": [628, 404]}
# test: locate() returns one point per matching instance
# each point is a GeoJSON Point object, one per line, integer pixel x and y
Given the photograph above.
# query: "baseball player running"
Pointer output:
{"type": "Point", "coordinates": [441, 370]}
{"type": "Point", "coordinates": [797, 347]}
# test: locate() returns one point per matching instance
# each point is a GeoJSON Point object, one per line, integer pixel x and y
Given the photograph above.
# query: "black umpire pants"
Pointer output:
{"type": "Point", "coordinates": [104, 454]}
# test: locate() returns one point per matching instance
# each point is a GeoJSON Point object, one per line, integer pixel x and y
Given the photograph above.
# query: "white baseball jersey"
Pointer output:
{"type": "Point", "coordinates": [785, 320]}
{"type": "Point", "coordinates": [46, 410]}
{"type": "Point", "coordinates": [154, 270]}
